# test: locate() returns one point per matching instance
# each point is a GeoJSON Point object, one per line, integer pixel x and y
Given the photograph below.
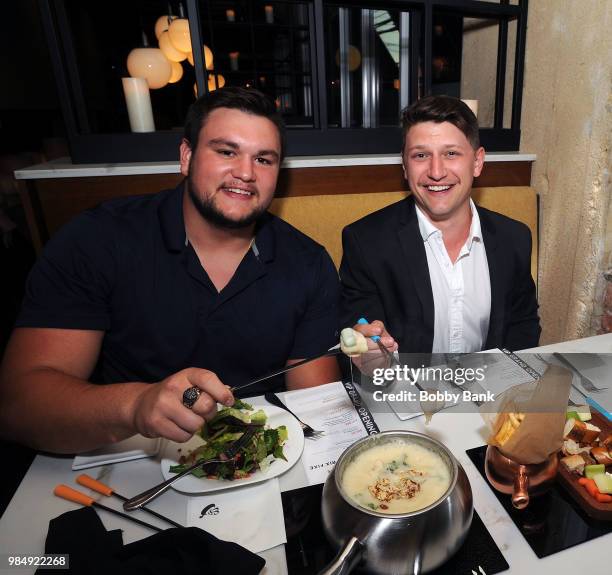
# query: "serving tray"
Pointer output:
{"type": "Point", "coordinates": [579, 494]}
{"type": "Point", "coordinates": [552, 521]}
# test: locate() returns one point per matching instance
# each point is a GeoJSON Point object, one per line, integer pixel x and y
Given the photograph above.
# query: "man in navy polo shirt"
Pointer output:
{"type": "Point", "coordinates": [171, 297]}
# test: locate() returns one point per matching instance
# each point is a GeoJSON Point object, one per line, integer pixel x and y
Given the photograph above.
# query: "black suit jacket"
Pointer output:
{"type": "Point", "coordinates": [385, 276]}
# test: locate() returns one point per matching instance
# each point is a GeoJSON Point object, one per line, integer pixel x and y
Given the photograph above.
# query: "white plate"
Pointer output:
{"type": "Point", "coordinates": [190, 484]}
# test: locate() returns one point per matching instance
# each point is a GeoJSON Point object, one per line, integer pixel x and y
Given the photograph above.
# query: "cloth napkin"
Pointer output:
{"type": "Point", "coordinates": [187, 550]}
{"type": "Point", "coordinates": [252, 515]}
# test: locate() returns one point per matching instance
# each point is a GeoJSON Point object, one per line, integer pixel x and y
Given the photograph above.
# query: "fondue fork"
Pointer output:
{"type": "Point", "coordinates": [70, 494]}
{"type": "Point", "coordinates": [95, 485]}
{"type": "Point", "coordinates": [376, 339]}
{"type": "Point", "coordinates": [429, 407]}
{"type": "Point", "coordinates": [329, 353]}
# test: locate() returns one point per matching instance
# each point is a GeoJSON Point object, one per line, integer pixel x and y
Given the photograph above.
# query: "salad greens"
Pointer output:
{"type": "Point", "coordinates": [227, 426]}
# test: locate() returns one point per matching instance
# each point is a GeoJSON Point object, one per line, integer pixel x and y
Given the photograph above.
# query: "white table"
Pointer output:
{"type": "Point", "coordinates": [23, 526]}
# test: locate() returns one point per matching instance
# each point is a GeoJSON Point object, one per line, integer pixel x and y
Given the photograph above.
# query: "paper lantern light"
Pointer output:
{"type": "Point", "coordinates": [353, 57]}
{"type": "Point", "coordinates": [167, 47]}
{"type": "Point", "coordinates": [161, 25]}
{"type": "Point", "coordinates": [212, 84]}
{"type": "Point", "coordinates": [177, 72]}
{"type": "Point", "coordinates": [179, 34]}
{"type": "Point", "coordinates": [151, 64]}
{"type": "Point", "coordinates": [208, 57]}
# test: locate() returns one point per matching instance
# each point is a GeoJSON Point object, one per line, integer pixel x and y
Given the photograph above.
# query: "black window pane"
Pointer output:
{"type": "Point", "coordinates": [103, 34]}
{"type": "Point", "coordinates": [266, 45]}
{"type": "Point", "coordinates": [363, 64]}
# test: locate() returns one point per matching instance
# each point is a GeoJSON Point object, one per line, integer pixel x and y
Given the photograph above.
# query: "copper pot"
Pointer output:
{"type": "Point", "coordinates": [521, 481]}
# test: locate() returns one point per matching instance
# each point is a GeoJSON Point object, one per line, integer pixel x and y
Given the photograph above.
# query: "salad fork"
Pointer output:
{"type": "Point", "coordinates": [227, 455]}
{"type": "Point", "coordinates": [308, 431]}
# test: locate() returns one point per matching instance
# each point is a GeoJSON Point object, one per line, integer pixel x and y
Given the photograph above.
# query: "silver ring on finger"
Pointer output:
{"type": "Point", "coordinates": [190, 396]}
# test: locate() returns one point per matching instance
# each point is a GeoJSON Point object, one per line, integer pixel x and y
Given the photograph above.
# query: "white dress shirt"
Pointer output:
{"type": "Point", "coordinates": [461, 291]}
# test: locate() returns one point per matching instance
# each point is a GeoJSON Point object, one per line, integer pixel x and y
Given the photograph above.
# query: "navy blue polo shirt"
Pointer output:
{"type": "Point", "coordinates": [125, 268]}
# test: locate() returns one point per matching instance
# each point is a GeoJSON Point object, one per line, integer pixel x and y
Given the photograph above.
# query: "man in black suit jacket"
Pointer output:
{"type": "Point", "coordinates": [435, 272]}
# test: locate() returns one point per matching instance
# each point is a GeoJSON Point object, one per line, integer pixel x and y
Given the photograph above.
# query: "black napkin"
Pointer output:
{"type": "Point", "coordinates": [187, 550]}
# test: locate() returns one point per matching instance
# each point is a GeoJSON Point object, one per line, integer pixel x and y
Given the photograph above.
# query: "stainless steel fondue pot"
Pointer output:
{"type": "Point", "coordinates": [385, 544]}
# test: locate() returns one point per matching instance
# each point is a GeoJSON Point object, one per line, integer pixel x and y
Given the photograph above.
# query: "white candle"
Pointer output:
{"type": "Point", "coordinates": [472, 105]}
{"type": "Point", "coordinates": [234, 60]}
{"type": "Point", "coordinates": [231, 15]}
{"type": "Point", "coordinates": [269, 13]}
{"type": "Point", "coordinates": [138, 101]}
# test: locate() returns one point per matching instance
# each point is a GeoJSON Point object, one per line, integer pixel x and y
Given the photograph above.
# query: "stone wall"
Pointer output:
{"type": "Point", "coordinates": [567, 122]}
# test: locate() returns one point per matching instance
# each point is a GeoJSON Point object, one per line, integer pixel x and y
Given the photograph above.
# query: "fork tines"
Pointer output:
{"type": "Point", "coordinates": [311, 433]}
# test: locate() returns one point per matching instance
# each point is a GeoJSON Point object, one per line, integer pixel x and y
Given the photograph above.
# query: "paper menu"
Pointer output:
{"type": "Point", "coordinates": [335, 409]}
{"type": "Point", "coordinates": [500, 370]}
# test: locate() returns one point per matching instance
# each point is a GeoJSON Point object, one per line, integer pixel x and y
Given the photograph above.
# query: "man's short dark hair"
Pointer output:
{"type": "Point", "coordinates": [440, 109]}
{"type": "Point", "coordinates": [246, 100]}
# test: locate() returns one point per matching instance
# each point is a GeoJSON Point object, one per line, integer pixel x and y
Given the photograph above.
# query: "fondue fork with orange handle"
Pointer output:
{"type": "Point", "coordinates": [95, 485]}
{"type": "Point", "coordinates": [70, 494]}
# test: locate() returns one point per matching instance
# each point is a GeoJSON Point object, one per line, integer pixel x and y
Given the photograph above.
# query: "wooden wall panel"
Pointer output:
{"type": "Point", "coordinates": [385, 178]}
{"type": "Point", "coordinates": [61, 199]}
{"type": "Point", "coordinates": [58, 200]}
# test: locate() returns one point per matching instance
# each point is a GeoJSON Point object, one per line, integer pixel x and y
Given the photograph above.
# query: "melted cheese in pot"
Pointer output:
{"type": "Point", "coordinates": [396, 477]}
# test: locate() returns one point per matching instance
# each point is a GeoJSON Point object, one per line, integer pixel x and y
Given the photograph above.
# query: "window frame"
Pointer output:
{"type": "Point", "coordinates": [87, 147]}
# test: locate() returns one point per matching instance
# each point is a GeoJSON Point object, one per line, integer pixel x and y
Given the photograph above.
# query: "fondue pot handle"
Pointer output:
{"type": "Point", "coordinates": [348, 558]}
{"type": "Point", "coordinates": [520, 491]}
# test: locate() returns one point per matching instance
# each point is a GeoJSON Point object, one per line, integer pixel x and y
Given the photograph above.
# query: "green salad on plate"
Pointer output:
{"type": "Point", "coordinates": [228, 425]}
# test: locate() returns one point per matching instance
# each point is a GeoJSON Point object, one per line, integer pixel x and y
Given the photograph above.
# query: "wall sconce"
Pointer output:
{"type": "Point", "coordinates": [230, 14]}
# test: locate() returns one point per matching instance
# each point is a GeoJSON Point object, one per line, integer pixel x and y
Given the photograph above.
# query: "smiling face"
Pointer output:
{"type": "Point", "coordinates": [233, 172]}
{"type": "Point", "coordinates": [440, 166]}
